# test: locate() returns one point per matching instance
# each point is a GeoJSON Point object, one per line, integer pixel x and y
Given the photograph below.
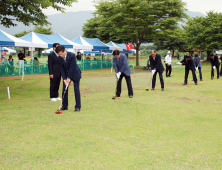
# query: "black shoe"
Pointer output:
{"type": "Point", "coordinates": [167, 76]}
{"type": "Point", "coordinates": [217, 77]}
{"type": "Point", "coordinates": [201, 80]}
{"type": "Point", "coordinates": [77, 110]}
{"type": "Point", "coordinates": [152, 89]}
{"type": "Point", "coordinates": [196, 83]}
{"type": "Point", "coordinates": [162, 89]}
{"type": "Point", "coordinates": [184, 84]}
{"type": "Point", "coordinates": [212, 78]}
{"type": "Point", "coordinates": [130, 96]}
{"type": "Point", "coordinates": [64, 108]}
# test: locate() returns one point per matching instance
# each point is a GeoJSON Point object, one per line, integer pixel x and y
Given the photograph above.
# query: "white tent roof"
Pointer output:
{"type": "Point", "coordinates": [11, 41]}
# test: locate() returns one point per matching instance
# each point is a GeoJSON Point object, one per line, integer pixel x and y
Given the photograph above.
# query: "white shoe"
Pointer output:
{"type": "Point", "coordinates": [53, 99]}
{"type": "Point", "coordinates": [58, 98]}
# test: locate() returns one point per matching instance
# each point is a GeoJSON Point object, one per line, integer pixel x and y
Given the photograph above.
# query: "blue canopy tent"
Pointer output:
{"type": "Point", "coordinates": [46, 41]}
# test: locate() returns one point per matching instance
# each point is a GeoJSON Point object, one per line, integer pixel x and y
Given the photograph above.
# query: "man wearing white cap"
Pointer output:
{"type": "Point", "coordinates": [168, 64]}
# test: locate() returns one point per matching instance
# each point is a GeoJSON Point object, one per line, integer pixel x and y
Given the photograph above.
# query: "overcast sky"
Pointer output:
{"type": "Point", "coordinates": [202, 6]}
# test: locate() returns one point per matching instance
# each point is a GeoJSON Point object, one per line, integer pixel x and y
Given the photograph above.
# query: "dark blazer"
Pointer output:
{"type": "Point", "coordinates": [69, 69]}
{"type": "Point", "coordinates": [188, 63]}
{"type": "Point", "coordinates": [53, 65]}
{"type": "Point", "coordinates": [157, 64]}
{"type": "Point", "coordinates": [121, 65]}
{"type": "Point", "coordinates": [215, 61]}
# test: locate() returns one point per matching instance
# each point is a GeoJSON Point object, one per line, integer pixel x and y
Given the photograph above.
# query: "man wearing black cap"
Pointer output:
{"type": "Point", "coordinates": [215, 64]}
{"type": "Point", "coordinates": [189, 65]}
{"type": "Point", "coordinates": [156, 66]}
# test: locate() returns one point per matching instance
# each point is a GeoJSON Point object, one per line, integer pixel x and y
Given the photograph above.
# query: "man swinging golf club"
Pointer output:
{"type": "Point", "coordinates": [122, 70]}
{"type": "Point", "coordinates": [70, 72]}
{"type": "Point", "coordinates": [189, 65]}
{"type": "Point", "coordinates": [156, 67]}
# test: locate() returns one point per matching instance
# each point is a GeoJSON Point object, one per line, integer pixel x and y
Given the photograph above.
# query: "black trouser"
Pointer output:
{"type": "Point", "coordinates": [199, 68]}
{"type": "Point", "coordinates": [54, 86]}
{"type": "Point", "coordinates": [168, 68]}
{"type": "Point", "coordinates": [128, 82]}
{"type": "Point", "coordinates": [161, 79]}
{"type": "Point", "coordinates": [76, 92]}
{"type": "Point", "coordinates": [187, 73]}
{"type": "Point", "coordinates": [212, 71]}
{"type": "Point", "coordinates": [221, 70]}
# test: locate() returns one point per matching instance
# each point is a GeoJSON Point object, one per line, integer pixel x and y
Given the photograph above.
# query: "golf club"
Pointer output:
{"type": "Point", "coordinates": [150, 82]}
{"type": "Point", "coordinates": [114, 97]}
{"type": "Point", "coordinates": [59, 111]}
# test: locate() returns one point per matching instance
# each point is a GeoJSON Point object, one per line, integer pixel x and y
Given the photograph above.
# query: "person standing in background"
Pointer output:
{"type": "Point", "coordinates": [4, 53]}
{"type": "Point", "coordinates": [54, 74]}
{"type": "Point", "coordinates": [79, 57]}
{"type": "Point", "coordinates": [21, 57]}
{"type": "Point", "coordinates": [11, 65]}
{"type": "Point", "coordinates": [168, 59]}
{"type": "Point", "coordinates": [197, 65]}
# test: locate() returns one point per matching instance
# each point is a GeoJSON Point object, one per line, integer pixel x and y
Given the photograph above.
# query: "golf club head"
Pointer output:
{"type": "Point", "coordinates": [147, 89]}
{"type": "Point", "coordinates": [113, 97]}
{"type": "Point", "coordinates": [58, 111]}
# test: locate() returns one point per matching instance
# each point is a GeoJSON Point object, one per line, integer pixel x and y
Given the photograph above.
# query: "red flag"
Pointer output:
{"type": "Point", "coordinates": [129, 46]}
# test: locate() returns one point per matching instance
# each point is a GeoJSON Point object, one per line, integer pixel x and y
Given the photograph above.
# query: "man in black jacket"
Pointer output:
{"type": "Point", "coordinates": [54, 74]}
{"type": "Point", "coordinates": [189, 65]}
{"type": "Point", "coordinates": [215, 64]}
{"type": "Point", "coordinates": [156, 66]}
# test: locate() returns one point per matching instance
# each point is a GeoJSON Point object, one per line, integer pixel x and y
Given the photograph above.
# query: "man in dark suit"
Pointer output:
{"type": "Point", "coordinates": [156, 66]}
{"type": "Point", "coordinates": [54, 74]}
{"type": "Point", "coordinates": [70, 72]}
{"type": "Point", "coordinates": [215, 64]}
{"type": "Point", "coordinates": [189, 65]}
{"type": "Point", "coordinates": [122, 69]}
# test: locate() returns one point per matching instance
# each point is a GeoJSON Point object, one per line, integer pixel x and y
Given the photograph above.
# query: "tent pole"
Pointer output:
{"type": "Point", "coordinates": [83, 59]}
{"type": "Point", "coordinates": [1, 54]}
{"type": "Point", "coordinates": [101, 59]}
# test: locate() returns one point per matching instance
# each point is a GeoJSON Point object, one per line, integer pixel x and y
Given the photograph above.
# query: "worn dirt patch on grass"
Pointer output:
{"type": "Point", "coordinates": [184, 99]}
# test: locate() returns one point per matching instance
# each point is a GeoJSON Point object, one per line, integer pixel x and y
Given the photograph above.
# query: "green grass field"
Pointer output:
{"type": "Point", "coordinates": [179, 128]}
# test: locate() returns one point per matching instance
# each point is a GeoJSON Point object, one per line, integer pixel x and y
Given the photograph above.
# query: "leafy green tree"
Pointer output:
{"type": "Point", "coordinates": [205, 32]}
{"type": "Point", "coordinates": [175, 41]}
{"type": "Point", "coordinates": [28, 11]}
{"type": "Point", "coordinates": [138, 21]}
{"type": "Point", "coordinates": [21, 34]}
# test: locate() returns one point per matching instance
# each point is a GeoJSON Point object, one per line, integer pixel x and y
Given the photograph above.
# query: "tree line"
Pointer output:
{"type": "Point", "coordinates": [154, 21]}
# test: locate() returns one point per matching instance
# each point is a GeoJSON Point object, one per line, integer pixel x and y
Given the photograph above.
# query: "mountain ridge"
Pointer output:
{"type": "Point", "coordinates": [68, 24]}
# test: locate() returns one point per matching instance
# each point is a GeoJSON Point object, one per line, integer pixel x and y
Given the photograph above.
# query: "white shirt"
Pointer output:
{"type": "Point", "coordinates": [168, 59]}
{"type": "Point", "coordinates": [56, 54]}
{"type": "Point", "coordinates": [65, 58]}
